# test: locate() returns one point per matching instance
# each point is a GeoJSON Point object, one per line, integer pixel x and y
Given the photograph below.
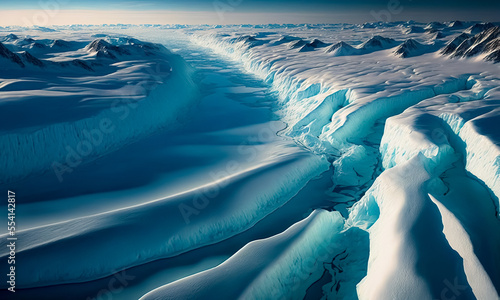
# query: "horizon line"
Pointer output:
{"type": "Point", "coordinates": [37, 17]}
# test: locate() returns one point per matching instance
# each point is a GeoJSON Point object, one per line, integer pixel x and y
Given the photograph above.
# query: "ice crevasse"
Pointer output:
{"type": "Point", "coordinates": [330, 107]}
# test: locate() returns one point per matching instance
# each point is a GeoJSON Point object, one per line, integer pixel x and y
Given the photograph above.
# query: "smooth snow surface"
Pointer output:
{"type": "Point", "coordinates": [256, 161]}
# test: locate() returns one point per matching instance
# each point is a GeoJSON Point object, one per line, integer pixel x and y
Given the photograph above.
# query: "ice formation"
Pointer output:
{"type": "Point", "coordinates": [407, 140]}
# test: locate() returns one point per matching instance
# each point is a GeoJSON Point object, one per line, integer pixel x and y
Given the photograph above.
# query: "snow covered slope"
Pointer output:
{"type": "Point", "coordinates": [91, 97]}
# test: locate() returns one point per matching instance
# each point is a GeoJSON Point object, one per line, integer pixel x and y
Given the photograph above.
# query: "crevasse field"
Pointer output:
{"type": "Point", "coordinates": [252, 162]}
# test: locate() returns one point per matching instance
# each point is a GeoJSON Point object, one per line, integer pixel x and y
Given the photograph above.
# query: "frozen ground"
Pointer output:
{"type": "Point", "coordinates": [254, 162]}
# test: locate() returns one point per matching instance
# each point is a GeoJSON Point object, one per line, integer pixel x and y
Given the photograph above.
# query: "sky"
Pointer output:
{"type": "Point", "coordinates": [64, 12]}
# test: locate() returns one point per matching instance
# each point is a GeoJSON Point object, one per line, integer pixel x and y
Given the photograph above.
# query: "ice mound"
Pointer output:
{"type": "Point", "coordinates": [24, 42]}
{"type": "Point", "coordinates": [368, 25]}
{"type": "Point", "coordinates": [305, 48]}
{"type": "Point", "coordinates": [30, 59]}
{"type": "Point", "coordinates": [373, 44]}
{"type": "Point", "coordinates": [296, 44]}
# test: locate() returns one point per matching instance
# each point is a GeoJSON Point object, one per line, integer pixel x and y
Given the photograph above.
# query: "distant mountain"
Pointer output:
{"type": "Point", "coordinates": [10, 56]}
{"type": "Point", "coordinates": [317, 44]}
{"type": "Point", "coordinates": [479, 27]}
{"type": "Point", "coordinates": [378, 43]}
{"type": "Point", "coordinates": [486, 43]}
{"type": "Point", "coordinates": [413, 29]}
{"type": "Point", "coordinates": [410, 48]}
{"type": "Point", "coordinates": [341, 49]}
{"type": "Point", "coordinates": [121, 47]}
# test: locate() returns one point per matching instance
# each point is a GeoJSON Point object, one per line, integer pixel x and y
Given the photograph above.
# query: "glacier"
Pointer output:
{"type": "Point", "coordinates": [253, 183]}
{"type": "Point", "coordinates": [397, 155]}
